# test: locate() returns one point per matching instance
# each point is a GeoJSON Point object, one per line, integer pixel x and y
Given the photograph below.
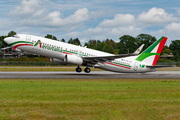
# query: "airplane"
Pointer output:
{"type": "Point", "coordinates": [58, 61]}
{"type": "Point", "coordinates": [83, 56]}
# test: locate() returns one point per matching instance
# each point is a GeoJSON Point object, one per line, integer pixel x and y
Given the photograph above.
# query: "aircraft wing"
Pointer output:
{"type": "Point", "coordinates": [94, 60]}
{"type": "Point", "coordinates": [159, 66]}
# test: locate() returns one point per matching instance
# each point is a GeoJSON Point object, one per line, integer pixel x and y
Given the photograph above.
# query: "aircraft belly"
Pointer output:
{"type": "Point", "coordinates": [52, 54]}
{"type": "Point", "coordinates": [24, 48]}
{"type": "Point", "coordinates": [134, 67]}
{"type": "Point", "coordinates": [36, 50]}
{"type": "Point", "coordinates": [114, 68]}
{"type": "Point", "coordinates": [44, 52]}
{"type": "Point", "coordinates": [124, 69]}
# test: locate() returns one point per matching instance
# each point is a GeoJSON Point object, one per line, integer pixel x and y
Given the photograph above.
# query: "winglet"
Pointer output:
{"type": "Point", "coordinates": [136, 52]}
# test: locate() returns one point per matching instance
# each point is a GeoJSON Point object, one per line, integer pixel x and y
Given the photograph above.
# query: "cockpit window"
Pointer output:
{"type": "Point", "coordinates": [16, 36]}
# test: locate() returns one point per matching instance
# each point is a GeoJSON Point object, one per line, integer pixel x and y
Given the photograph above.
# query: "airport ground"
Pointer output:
{"type": "Point", "coordinates": [86, 99]}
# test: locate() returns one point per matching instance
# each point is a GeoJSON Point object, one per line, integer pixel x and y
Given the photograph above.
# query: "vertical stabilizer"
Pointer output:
{"type": "Point", "coordinates": [152, 53]}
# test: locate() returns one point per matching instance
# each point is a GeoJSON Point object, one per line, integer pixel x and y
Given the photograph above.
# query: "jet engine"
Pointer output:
{"type": "Point", "coordinates": [72, 59]}
{"type": "Point", "coordinates": [58, 61]}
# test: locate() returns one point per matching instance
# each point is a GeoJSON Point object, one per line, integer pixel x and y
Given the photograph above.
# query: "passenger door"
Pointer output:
{"type": "Point", "coordinates": [135, 66]}
{"type": "Point", "coordinates": [28, 39]}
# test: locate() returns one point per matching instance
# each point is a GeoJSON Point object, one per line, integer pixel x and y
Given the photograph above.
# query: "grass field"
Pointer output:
{"type": "Point", "coordinates": [110, 99]}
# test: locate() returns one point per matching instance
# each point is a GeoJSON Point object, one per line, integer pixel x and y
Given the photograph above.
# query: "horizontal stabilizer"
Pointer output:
{"type": "Point", "coordinates": [159, 66]}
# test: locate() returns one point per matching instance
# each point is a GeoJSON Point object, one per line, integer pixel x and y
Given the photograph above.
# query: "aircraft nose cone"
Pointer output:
{"type": "Point", "coordinates": [7, 40]}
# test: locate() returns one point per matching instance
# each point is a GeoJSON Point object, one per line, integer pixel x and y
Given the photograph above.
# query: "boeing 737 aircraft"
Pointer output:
{"type": "Point", "coordinates": [82, 56]}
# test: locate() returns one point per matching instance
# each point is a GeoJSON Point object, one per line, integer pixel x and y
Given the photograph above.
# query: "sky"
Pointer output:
{"type": "Point", "coordinates": [91, 19]}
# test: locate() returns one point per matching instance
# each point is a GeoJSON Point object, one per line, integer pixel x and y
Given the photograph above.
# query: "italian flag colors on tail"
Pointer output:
{"type": "Point", "coordinates": [152, 53]}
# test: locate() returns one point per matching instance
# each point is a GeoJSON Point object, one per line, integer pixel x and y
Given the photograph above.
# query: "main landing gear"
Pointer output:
{"type": "Point", "coordinates": [78, 69]}
{"type": "Point", "coordinates": [87, 70]}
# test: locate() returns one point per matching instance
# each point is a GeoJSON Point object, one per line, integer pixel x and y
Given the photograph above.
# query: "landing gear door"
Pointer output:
{"type": "Point", "coordinates": [28, 39]}
{"type": "Point", "coordinates": [135, 66]}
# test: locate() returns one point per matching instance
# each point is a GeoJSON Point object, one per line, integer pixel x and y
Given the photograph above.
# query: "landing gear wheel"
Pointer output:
{"type": "Point", "coordinates": [78, 69]}
{"type": "Point", "coordinates": [87, 70]}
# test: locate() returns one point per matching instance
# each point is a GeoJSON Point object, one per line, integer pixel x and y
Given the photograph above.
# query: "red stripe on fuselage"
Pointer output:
{"type": "Point", "coordinates": [22, 45]}
{"type": "Point", "coordinates": [117, 65]}
{"type": "Point", "coordinates": [67, 53]}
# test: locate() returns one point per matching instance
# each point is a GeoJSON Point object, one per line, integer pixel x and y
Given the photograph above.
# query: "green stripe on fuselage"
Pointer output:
{"type": "Point", "coordinates": [121, 64]}
{"type": "Point", "coordinates": [69, 52]}
{"type": "Point", "coordinates": [20, 42]}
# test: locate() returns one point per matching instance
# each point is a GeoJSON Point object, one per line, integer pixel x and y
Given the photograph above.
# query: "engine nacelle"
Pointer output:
{"type": "Point", "coordinates": [72, 59]}
{"type": "Point", "coordinates": [58, 61]}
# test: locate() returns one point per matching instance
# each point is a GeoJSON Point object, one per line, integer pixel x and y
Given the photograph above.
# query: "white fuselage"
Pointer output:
{"type": "Point", "coordinates": [58, 50]}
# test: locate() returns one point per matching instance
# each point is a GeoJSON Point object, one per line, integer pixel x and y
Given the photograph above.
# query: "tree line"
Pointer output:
{"type": "Point", "coordinates": [126, 44]}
